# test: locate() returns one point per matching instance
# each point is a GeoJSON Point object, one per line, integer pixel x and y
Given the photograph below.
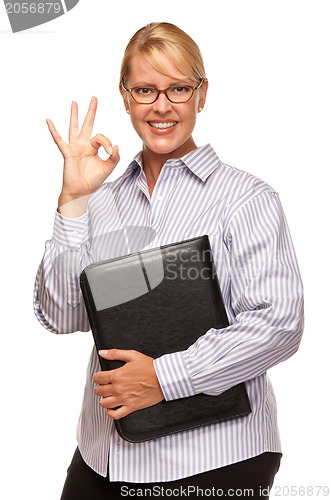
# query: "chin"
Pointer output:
{"type": "Point", "coordinates": [178, 148]}
{"type": "Point", "coordinates": [161, 150]}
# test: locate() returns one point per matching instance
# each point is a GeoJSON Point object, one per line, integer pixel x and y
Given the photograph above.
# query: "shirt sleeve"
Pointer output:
{"type": "Point", "coordinates": [58, 303]}
{"type": "Point", "coordinates": [266, 301]}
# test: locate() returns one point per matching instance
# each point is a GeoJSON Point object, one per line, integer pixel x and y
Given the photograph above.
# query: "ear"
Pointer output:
{"type": "Point", "coordinates": [125, 96]}
{"type": "Point", "coordinates": [203, 94]}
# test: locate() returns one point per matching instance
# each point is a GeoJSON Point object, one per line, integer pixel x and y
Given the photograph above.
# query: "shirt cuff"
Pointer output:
{"type": "Point", "coordinates": [173, 376]}
{"type": "Point", "coordinates": [70, 232]}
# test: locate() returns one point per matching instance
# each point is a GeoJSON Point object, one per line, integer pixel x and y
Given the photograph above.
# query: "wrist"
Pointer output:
{"type": "Point", "coordinates": [72, 206]}
{"type": "Point", "coordinates": [173, 377]}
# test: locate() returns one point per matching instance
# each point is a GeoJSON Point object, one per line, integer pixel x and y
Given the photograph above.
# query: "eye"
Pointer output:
{"type": "Point", "coordinates": [180, 89]}
{"type": "Point", "coordinates": [144, 90]}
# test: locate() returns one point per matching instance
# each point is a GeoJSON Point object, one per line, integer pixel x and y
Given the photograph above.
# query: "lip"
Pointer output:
{"type": "Point", "coordinates": [162, 131]}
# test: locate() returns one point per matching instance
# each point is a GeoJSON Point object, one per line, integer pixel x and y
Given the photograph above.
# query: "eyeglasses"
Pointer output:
{"type": "Point", "coordinates": [175, 94]}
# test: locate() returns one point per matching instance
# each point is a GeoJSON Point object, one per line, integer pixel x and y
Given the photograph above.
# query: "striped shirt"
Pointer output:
{"type": "Point", "coordinates": [262, 292]}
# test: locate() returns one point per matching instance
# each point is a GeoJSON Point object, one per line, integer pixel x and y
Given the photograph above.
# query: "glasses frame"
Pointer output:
{"type": "Point", "coordinates": [162, 92]}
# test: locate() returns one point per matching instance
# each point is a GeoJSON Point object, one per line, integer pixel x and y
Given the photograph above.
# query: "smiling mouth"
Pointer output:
{"type": "Point", "coordinates": [162, 125]}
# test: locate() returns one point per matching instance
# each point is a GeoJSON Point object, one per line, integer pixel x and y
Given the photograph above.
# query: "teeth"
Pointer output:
{"type": "Point", "coordinates": [162, 125]}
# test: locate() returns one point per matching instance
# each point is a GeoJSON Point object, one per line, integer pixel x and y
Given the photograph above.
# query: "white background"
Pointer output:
{"type": "Point", "coordinates": [268, 112]}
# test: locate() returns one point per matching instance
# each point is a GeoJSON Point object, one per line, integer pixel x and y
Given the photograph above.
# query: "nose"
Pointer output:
{"type": "Point", "coordinates": [162, 104]}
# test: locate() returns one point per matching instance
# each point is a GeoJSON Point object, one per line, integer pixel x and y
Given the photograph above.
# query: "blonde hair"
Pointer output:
{"type": "Point", "coordinates": [173, 42]}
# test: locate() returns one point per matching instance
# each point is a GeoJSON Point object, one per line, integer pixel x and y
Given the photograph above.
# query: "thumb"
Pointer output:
{"type": "Point", "coordinates": [113, 159]}
{"type": "Point", "coordinates": [118, 354]}
{"type": "Point", "coordinates": [115, 152]}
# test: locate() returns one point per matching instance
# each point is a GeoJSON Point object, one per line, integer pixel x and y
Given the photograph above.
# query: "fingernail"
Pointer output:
{"type": "Point", "coordinates": [103, 353]}
{"type": "Point", "coordinates": [110, 150]}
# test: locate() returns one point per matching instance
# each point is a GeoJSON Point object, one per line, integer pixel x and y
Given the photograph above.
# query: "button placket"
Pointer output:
{"type": "Point", "coordinates": [157, 200]}
{"type": "Point", "coordinates": [161, 193]}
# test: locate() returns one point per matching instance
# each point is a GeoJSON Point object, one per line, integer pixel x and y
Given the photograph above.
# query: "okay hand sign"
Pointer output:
{"type": "Point", "coordinates": [84, 170]}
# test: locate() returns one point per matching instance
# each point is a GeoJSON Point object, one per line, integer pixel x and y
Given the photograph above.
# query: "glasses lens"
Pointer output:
{"type": "Point", "coordinates": [148, 95]}
{"type": "Point", "coordinates": [144, 95]}
{"type": "Point", "coordinates": [179, 93]}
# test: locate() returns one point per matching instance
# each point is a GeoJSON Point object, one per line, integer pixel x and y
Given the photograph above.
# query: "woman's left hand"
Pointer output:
{"type": "Point", "coordinates": [132, 387]}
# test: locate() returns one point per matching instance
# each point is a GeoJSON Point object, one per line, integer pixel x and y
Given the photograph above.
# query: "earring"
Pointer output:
{"type": "Point", "coordinates": [128, 112]}
{"type": "Point", "coordinates": [200, 109]}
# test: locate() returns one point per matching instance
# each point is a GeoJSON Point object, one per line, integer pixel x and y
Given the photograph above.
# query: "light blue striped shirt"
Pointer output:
{"type": "Point", "coordinates": [261, 288]}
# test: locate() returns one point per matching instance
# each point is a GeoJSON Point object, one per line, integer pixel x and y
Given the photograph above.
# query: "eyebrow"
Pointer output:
{"type": "Point", "coordinates": [144, 84]}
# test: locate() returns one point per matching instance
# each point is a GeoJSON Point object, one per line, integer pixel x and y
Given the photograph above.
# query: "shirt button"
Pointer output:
{"type": "Point", "coordinates": [159, 198]}
{"type": "Point", "coordinates": [173, 164]}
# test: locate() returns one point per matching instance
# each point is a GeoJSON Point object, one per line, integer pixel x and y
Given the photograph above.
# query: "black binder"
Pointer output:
{"type": "Point", "coordinates": [159, 301]}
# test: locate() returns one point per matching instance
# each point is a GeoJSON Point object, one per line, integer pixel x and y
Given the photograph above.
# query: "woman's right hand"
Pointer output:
{"type": "Point", "coordinates": [84, 171]}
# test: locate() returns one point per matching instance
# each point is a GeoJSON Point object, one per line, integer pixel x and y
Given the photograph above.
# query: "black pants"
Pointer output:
{"type": "Point", "coordinates": [252, 478]}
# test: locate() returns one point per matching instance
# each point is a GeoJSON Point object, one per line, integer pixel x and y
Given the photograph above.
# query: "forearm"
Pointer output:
{"type": "Point", "coordinates": [221, 359]}
{"type": "Point", "coordinates": [72, 207]}
{"type": "Point", "coordinates": [266, 301]}
{"type": "Point", "coordinates": [58, 302]}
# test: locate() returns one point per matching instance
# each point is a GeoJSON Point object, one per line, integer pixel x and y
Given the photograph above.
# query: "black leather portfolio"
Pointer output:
{"type": "Point", "coordinates": [159, 301]}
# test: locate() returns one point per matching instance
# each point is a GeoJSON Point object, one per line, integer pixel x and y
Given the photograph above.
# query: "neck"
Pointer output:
{"type": "Point", "coordinates": [153, 162]}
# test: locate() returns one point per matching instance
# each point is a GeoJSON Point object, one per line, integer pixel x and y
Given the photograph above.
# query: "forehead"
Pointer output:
{"type": "Point", "coordinates": [143, 71]}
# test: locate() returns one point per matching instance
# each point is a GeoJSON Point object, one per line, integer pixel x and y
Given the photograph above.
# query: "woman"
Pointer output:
{"type": "Point", "coordinates": [180, 191]}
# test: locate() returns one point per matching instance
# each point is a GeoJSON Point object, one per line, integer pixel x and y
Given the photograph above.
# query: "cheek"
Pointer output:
{"type": "Point", "coordinates": [139, 123]}
{"type": "Point", "coordinates": [189, 118]}
{"type": "Point", "coordinates": [191, 111]}
{"type": "Point", "coordinates": [137, 116]}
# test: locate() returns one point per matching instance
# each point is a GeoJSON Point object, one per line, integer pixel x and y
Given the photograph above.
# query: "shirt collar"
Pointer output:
{"type": "Point", "coordinates": [201, 161]}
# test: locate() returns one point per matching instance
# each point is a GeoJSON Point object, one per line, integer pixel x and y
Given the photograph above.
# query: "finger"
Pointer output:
{"type": "Point", "coordinates": [102, 378]}
{"type": "Point", "coordinates": [120, 412]}
{"type": "Point", "coordinates": [109, 402]}
{"type": "Point", "coordinates": [113, 160]}
{"type": "Point", "coordinates": [115, 157]}
{"type": "Point", "coordinates": [61, 144]}
{"type": "Point", "coordinates": [104, 390]}
{"type": "Point", "coordinates": [118, 354]}
{"type": "Point", "coordinates": [116, 153]}
{"type": "Point", "coordinates": [89, 119]}
{"type": "Point", "coordinates": [73, 127]}
{"type": "Point", "coordinates": [100, 140]}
